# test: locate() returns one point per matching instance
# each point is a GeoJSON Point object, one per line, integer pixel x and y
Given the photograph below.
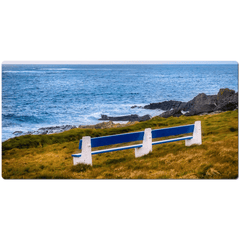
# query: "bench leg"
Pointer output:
{"type": "Point", "coordinates": [86, 156]}
{"type": "Point", "coordinates": [147, 144]}
{"type": "Point", "coordinates": [197, 135]}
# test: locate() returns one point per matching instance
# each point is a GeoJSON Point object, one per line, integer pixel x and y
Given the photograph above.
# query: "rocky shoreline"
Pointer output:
{"type": "Point", "coordinates": [63, 128]}
{"type": "Point", "coordinates": [225, 100]}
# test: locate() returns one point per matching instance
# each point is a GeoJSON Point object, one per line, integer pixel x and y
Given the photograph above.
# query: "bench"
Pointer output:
{"type": "Point", "coordinates": [146, 136]}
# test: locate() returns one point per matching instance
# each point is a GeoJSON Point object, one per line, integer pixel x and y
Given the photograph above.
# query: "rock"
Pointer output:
{"type": "Point", "coordinates": [225, 100]}
{"type": "Point", "coordinates": [130, 118]}
{"type": "Point", "coordinates": [224, 94]}
{"type": "Point", "coordinates": [144, 118]}
{"type": "Point", "coordinates": [18, 132]}
{"type": "Point", "coordinates": [166, 105]}
{"type": "Point", "coordinates": [174, 113]}
{"type": "Point", "coordinates": [68, 127]}
{"type": "Point", "coordinates": [55, 129]}
{"type": "Point", "coordinates": [206, 108]}
{"type": "Point", "coordinates": [134, 106]}
{"type": "Point", "coordinates": [199, 101]}
{"type": "Point", "coordinates": [104, 117]}
{"type": "Point", "coordinates": [229, 106]}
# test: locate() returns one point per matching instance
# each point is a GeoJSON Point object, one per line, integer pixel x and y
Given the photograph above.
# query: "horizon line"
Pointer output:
{"type": "Point", "coordinates": [119, 62]}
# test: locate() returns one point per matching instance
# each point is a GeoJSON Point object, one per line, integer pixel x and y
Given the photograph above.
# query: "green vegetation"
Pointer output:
{"type": "Point", "coordinates": [49, 156]}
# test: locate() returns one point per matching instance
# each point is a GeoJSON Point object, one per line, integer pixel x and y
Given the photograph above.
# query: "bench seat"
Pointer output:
{"type": "Point", "coordinates": [172, 140]}
{"type": "Point", "coordinates": [110, 150]}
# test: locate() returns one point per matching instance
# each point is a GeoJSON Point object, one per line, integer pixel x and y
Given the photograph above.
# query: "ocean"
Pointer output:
{"type": "Point", "coordinates": [44, 95]}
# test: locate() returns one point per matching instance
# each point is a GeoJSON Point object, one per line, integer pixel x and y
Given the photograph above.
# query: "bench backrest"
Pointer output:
{"type": "Point", "coordinates": [138, 136]}
{"type": "Point", "coordinates": [165, 132]}
{"type": "Point", "coordinates": [115, 139]}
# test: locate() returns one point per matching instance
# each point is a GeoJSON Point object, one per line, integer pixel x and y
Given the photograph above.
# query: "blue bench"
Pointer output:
{"type": "Point", "coordinates": [146, 136]}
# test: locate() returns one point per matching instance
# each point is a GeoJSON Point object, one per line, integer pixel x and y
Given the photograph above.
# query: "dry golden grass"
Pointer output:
{"type": "Point", "coordinates": [216, 158]}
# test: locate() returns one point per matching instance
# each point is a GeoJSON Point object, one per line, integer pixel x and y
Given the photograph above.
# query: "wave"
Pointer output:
{"type": "Point", "coordinates": [19, 71]}
{"type": "Point", "coordinates": [62, 69]}
{"type": "Point", "coordinates": [85, 69]}
{"type": "Point", "coordinates": [57, 69]}
{"type": "Point", "coordinates": [37, 71]}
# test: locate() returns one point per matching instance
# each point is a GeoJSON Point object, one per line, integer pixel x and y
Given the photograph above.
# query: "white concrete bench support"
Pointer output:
{"type": "Point", "coordinates": [86, 156]}
{"type": "Point", "coordinates": [197, 135]}
{"type": "Point", "coordinates": [147, 144]}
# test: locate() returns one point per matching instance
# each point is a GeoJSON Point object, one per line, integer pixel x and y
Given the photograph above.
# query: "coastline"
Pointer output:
{"type": "Point", "coordinates": [64, 128]}
{"type": "Point", "coordinates": [202, 104]}
{"type": "Point", "coordinates": [102, 125]}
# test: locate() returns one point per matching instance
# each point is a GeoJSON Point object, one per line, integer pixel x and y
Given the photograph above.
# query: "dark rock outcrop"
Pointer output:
{"type": "Point", "coordinates": [135, 106]}
{"type": "Point", "coordinates": [18, 133]}
{"type": "Point", "coordinates": [227, 106]}
{"type": "Point", "coordinates": [199, 101]}
{"type": "Point", "coordinates": [130, 118]}
{"type": "Point", "coordinates": [166, 105]}
{"type": "Point", "coordinates": [225, 100]}
{"type": "Point", "coordinates": [206, 108]}
{"type": "Point", "coordinates": [174, 113]}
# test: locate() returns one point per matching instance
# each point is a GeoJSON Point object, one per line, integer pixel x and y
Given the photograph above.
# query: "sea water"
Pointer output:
{"type": "Point", "coordinates": [35, 96]}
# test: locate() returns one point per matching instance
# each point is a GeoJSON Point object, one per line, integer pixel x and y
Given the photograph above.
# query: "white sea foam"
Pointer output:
{"type": "Point", "coordinates": [30, 71]}
{"type": "Point", "coordinates": [58, 69]}
{"type": "Point", "coordinates": [39, 71]}
{"type": "Point", "coordinates": [121, 122]}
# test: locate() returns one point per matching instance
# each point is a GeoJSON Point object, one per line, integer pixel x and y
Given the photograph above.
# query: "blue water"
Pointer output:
{"type": "Point", "coordinates": [35, 96]}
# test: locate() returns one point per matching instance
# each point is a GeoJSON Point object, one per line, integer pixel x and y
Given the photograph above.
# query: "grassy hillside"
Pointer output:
{"type": "Point", "coordinates": [49, 156]}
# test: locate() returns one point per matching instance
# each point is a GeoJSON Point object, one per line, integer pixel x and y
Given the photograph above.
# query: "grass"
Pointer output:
{"type": "Point", "coordinates": [49, 156]}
